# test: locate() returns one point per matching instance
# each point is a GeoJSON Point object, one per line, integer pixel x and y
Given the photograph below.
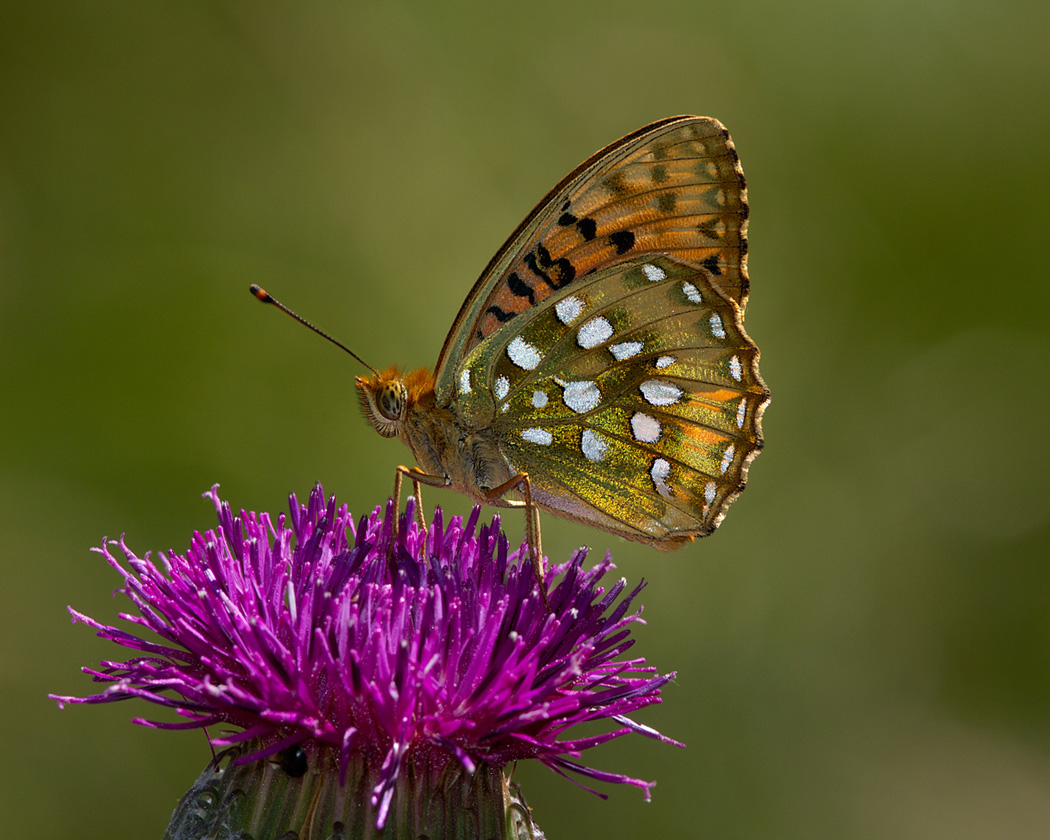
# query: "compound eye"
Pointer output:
{"type": "Point", "coordinates": [391, 402]}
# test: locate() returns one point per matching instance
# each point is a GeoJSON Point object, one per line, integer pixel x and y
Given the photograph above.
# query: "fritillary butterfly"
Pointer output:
{"type": "Point", "coordinates": [599, 367]}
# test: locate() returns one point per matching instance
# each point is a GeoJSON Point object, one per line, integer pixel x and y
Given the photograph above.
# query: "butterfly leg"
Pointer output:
{"type": "Point", "coordinates": [533, 536]}
{"type": "Point", "coordinates": [418, 478]}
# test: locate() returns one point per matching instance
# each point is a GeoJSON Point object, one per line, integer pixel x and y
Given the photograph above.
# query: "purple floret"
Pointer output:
{"type": "Point", "coordinates": [441, 649]}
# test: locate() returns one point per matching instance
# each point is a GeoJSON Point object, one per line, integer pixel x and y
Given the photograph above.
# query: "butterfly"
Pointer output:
{"type": "Point", "coordinates": [599, 368]}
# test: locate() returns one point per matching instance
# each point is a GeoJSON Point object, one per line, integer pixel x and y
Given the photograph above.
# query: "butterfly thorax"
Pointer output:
{"type": "Point", "coordinates": [405, 406]}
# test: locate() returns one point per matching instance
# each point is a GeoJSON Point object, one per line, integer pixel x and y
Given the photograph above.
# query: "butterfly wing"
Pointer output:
{"type": "Point", "coordinates": [674, 187]}
{"type": "Point", "coordinates": [632, 399]}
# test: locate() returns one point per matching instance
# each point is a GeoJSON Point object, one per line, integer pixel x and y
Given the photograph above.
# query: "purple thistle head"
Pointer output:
{"type": "Point", "coordinates": [311, 639]}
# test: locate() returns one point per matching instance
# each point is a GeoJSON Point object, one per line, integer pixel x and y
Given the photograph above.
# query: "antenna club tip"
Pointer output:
{"type": "Point", "coordinates": [260, 293]}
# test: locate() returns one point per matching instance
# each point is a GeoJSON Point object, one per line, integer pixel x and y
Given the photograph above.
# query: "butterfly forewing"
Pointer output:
{"type": "Point", "coordinates": [631, 398]}
{"type": "Point", "coordinates": [673, 188]}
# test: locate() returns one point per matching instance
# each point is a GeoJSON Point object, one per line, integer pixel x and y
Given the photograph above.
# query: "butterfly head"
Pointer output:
{"type": "Point", "coordinates": [387, 396]}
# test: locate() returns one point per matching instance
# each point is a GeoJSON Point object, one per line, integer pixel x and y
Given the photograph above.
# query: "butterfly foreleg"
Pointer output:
{"type": "Point", "coordinates": [533, 537]}
{"type": "Point", "coordinates": [418, 478]}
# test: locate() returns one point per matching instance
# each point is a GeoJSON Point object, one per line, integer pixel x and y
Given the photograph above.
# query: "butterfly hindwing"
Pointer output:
{"type": "Point", "coordinates": [631, 398]}
{"type": "Point", "coordinates": [674, 188]}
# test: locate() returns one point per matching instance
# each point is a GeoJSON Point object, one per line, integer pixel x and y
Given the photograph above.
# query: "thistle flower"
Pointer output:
{"type": "Point", "coordinates": [373, 687]}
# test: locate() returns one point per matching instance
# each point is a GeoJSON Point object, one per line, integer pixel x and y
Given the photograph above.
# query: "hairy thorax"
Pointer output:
{"type": "Point", "coordinates": [467, 459]}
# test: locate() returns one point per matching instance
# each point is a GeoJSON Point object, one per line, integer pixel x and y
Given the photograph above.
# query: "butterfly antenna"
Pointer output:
{"type": "Point", "coordinates": [266, 297]}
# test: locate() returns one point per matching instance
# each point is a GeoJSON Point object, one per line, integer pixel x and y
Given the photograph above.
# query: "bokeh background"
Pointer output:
{"type": "Point", "coordinates": [863, 648]}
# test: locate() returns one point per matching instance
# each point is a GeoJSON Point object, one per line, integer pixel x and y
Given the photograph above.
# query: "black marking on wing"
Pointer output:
{"type": "Point", "coordinates": [711, 264]}
{"type": "Point", "coordinates": [588, 228]}
{"type": "Point", "coordinates": [710, 229]}
{"type": "Point", "coordinates": [555, 273]}
{"type": "Point", "coordinates": [521, 288]}
{"type": "Point", "coordinates": [500, 315]}
{"type": "Point", "coordinates": [622, 240]}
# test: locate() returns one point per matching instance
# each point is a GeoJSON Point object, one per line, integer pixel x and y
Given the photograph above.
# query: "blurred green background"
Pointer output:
{"type": "Point", "coordinates": [863, 648]}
